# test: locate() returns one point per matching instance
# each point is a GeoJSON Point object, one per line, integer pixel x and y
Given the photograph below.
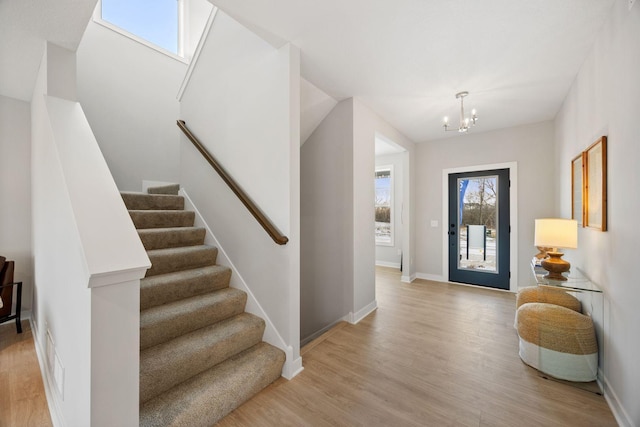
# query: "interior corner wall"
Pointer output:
{"type": "Point", "coordinates": [604, 101]}
{"type": "Point", "coordinates": [128, 92]}
{"type": "Point", "coordinates": [390, 256]}
{"type": "Point", "coordinates": [326, 222]}
{"type": "Point", "coordinates": [529, 145]}
{"type": "Point", "coordinates": [238, 103]}
{"type": "Point", "coordinates": [15, 191]}
{"type": "Point", "coordinates": [367, 124]}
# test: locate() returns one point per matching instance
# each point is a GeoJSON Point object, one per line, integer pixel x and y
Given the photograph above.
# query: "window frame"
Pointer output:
{"type": "Point", "coordinates": [97, 18]}
{"type": "Point", "coordinates": [389, 168]}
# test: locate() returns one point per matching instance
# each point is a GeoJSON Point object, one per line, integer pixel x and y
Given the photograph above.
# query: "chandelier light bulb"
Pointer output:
{"type": "Point", "coordinates": [465, 122]}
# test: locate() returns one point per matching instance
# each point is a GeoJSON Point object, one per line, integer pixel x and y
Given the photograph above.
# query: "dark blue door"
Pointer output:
{"type": "Point", "coordinates": [479, 228]}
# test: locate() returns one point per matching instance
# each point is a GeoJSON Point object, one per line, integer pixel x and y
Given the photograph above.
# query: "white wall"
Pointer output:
{"type": "Point", "coordinates": [338, 242]}
{"type": "Point", "coordinates": [196, 13]}
{"type": "Point", "coordinates": [87, 261]}
{"type": "Point", "coordinates": [326, 256]}
{"type": "Point", "coordinates": [15, 191]}
{"type": "Point", "coordinates": [314, 107]}
{"type": "Point", "coordinates": [604, 101]}
{"type": "Point", "coordinates": [242, 102]}
{"type": "Point", "coordinates": [368, 124]}
{"type": "Point", "coordinates": [531, 146]}
{"type": "Point", "coordinates": [388, 255]}
{"type": "Point", "coordinates": [128, 92]}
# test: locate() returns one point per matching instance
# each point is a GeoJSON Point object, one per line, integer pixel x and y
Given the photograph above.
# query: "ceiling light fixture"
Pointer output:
{"type": "Point", "coordinates": [465, 122]}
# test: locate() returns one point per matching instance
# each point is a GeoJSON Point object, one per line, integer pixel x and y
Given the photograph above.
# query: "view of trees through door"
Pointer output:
{"type": "Point", "coordinates": [478, 212]}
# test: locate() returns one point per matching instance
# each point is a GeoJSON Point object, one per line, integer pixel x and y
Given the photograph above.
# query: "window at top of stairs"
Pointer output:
{"type": "Point", "coordinates": [156, 22]}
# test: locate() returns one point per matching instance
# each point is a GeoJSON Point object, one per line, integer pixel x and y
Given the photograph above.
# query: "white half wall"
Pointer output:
{"type": "Point", "coordinates": [242, 103]}
{"type": "Point", "coordinates": [604, 101]}
{"type": "Point", "coordinates": [87, 260]}
{"type": "Point", "coordinates": [15, 191]}
{"type": "Point", "coordinates": [531, 146]}
{"type": "Point", "coordinates": [128, 92]}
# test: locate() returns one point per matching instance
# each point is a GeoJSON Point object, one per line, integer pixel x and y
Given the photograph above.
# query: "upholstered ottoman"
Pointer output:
{"type": "Point", "coordinates": [558, 341]}
{"type": "Point", "coordinates": [549, 295]}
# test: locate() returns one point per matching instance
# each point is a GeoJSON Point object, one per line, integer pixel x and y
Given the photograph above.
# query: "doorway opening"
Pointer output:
{"type": "Point", "coordinates": [480, 212]}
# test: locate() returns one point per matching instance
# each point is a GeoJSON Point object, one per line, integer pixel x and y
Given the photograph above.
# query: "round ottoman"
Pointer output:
{"type": "Point", "coordinates": [550, 295]}
{"type": "Point", "coordinates": [558, 341]}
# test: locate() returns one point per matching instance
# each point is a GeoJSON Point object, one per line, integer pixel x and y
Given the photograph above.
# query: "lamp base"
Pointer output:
{"type": "Point", "coordinates": [555, 265]}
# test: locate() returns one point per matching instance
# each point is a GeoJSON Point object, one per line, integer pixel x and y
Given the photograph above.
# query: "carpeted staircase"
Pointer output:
{"type": "Point", "coordinates": [201, 355]}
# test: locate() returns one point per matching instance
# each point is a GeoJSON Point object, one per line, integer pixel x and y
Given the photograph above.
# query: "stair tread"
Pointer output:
{"type": "Point", "coordinates": [206, 398]}
{"type": "Point", "coordinates": [171, 237]}
{"type": "Point", "coordinates": [170, 363]}
{"type": "Point", "coordinates": [144, 201]}
{"type": "Point", "coordinates": [180, 259]}
{"type": "Point", "coordinates": [164, 322]}
{"type": "Point", "coordinates": [162, 288]}
{"type": "Point", "coordinates": [161, 218]}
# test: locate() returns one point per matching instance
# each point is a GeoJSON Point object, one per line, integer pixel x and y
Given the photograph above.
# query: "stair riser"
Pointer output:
{"type": "Point", "coordinates": [162, 219]}
{"type": "Point", "coordinates": [161, 289]}
{"type": "Point", "coordinates": [204, 400]}
{"type": "Point", "coordinates": [166, 263]}
{"type": "Point", "coordinates": [164, 189]}
{"type": "Point", "coordinates": [141, 201]}
{"type": "Point", "coordinates": [162, 367]}
{"type": "Point", "coordinates": [171, 238]}
{"type": "Point", "coordinates": [184, 322]}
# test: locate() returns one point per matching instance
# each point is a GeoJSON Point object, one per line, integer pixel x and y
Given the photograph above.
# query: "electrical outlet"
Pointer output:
{"type": "Point", "coordinates": [631, 3]}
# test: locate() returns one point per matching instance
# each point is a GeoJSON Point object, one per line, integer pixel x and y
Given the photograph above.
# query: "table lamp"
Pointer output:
{"type": "Point", "coordinates": [556, 233]}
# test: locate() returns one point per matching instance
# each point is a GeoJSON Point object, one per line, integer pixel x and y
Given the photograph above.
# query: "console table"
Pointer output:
{"type": "Point", "coordinates": [592, 299]}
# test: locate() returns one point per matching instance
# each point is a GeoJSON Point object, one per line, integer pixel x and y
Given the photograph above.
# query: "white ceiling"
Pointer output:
{"type": "Point", "coordinates": [24, 27]}
{"type": "Point", "coordinates": [406, 59]}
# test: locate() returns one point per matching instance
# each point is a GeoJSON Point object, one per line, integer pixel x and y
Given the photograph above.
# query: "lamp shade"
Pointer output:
{"type": "Point", "coordinates": [556, 233]}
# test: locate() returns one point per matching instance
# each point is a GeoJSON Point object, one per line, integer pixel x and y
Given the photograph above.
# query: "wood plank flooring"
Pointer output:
{"type": "Point", "coordinates": [433, 354]}
{"type": "Point", "coordinates": [22, 399]}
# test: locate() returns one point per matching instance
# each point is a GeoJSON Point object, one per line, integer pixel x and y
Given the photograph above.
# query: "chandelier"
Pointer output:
{"type": "Point", "coordinates": [465, 122]}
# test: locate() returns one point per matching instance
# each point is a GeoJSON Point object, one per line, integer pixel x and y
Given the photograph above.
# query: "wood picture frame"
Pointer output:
{"type": "Point", "coordinates": [578, 188]}
{"type": "Point", "coordinates": [595, 177]}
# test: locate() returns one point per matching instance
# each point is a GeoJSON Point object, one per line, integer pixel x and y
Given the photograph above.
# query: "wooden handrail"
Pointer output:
{"type": "Point", "coordinates": [268, 226]}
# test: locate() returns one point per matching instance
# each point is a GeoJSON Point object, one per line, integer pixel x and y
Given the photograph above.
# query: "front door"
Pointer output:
{"type": "Point", "coordinates": [479, 228]}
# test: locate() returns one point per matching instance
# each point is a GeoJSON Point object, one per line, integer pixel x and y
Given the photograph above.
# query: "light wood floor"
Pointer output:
{"type": "Point", "coordinates": [433, 354]}
{"type": "Point", "coordinates": [22, 398]}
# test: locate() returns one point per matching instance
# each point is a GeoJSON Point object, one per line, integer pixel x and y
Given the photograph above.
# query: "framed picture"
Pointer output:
{"type": "Point", "coordinates": [595, 196]}
{"type": "Point", "coordinates": [577, 188]}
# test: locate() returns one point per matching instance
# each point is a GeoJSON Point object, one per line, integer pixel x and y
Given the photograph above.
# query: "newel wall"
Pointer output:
{"type": "Point", "coordinates": [243, 102]}
{"type": "Point", "coordinates": [87, 261]}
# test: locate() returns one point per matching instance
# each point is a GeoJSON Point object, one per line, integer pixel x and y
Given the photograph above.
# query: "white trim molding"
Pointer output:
{"type": "Point", "coordinates": [619, 413]}
{"type": "Point", "coordinates": [196, 53]}
{"type": "Point", "coordinates": [356, 317]}
{"type": "Point", "coordinates": [291, 367]}
{"type": "Point", "coordinates": [388, 264]}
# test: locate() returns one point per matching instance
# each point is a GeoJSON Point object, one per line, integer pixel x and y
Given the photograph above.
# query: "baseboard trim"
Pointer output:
{"type": "Point", "coordinates": [47, 379]}
{"type": "Point", "coordinates": [408, 279]}
{"type": "Point", "coordinates": [356, 317]}
{"type": "Point", "coordinates": [292, 367]}
{"type": "Point", "coordinates": [388, 264]}
{"type": "Point", "coordinates": [618, 411]}
{"type": "Point", "coordinates": [432, 277]}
